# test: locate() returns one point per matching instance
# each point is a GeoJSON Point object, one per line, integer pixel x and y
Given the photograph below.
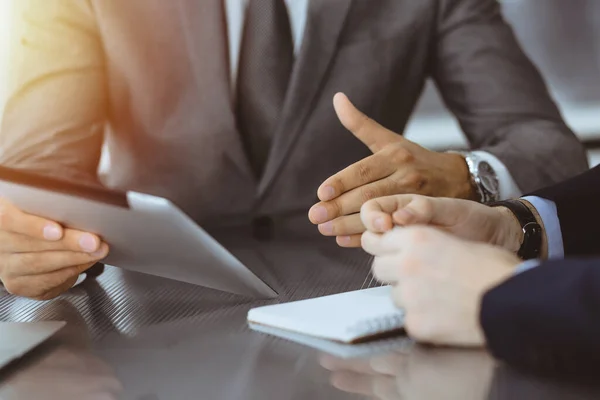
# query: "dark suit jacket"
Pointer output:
{"type": "Point", "coordinates": [151, 77]}
{"type": "Point", "coordinates": [549, 318]}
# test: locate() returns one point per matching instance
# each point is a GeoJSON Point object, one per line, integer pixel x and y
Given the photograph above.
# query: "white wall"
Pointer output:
{"type": "Point", "coordinates": [5, 20]}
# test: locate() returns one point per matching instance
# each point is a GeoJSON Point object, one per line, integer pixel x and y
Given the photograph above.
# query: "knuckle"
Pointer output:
{"type": "Point", "coordinates": [338, 184]}
{"type": "Point", "coordinates": [335, 209]}
{"type": "Point", "coordinates": [400, 154]}
{"type": "Point", "coordinates": [364, 172]}
{"type": "Point", "coordinates": [416, 181]}
{"type": "Point", "coordinates": [424, 205]}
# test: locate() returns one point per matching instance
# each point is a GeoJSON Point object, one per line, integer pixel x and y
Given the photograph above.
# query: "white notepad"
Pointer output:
{"type": "Point", "coordinates": [352, 317]}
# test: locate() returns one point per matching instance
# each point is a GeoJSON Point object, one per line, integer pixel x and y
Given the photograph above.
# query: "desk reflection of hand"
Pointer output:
{"type": "Point", "coordinates": [419, 373]}
{"type": "Point", "coordinates": [64, 373]}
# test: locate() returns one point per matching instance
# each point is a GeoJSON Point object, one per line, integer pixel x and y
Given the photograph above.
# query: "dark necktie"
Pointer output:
{"type": "Point", "coordinates": [266, 62]}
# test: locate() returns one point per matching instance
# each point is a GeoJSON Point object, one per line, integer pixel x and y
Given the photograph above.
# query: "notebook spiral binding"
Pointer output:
{"type": "Point", "coordinates": [384, 324]}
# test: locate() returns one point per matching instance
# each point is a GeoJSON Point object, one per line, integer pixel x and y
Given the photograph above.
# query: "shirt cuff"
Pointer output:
{"type": "Point", "coordinates": [508, 186]}
{"type": "Point", "coordinates": [527, 265]}
{"type": "Point", "coordinates": [549, 215]}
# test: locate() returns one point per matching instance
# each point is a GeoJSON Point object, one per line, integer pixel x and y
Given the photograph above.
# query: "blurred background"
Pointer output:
{"type": "Point", "coordinates": [561, 36]}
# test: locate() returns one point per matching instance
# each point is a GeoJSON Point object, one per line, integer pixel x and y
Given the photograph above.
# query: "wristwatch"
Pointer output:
{"type": "Point", "coordinates": [483, 177]}
{"type": "Point", "coordinates": [532, 231]}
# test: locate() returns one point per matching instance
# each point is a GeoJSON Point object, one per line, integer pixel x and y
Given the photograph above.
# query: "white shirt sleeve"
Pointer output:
{"type": "Point", "coordinates": [527, 265]}
{"type": "Point", "coordinates": [508, 186]}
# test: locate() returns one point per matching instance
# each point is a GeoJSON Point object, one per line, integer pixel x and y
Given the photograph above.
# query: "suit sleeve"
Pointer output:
{"type": "Point", "coordinates": [55, 116]}
{"type": "Point", "coordinates": [499, 97]}
{"type": "Point", "coordinates": [547, 319]}
{"type": "Point", "coordinates": [577, 203]}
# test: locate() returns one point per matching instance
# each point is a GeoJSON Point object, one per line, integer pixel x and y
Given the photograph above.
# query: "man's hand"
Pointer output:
{"type": "Point", "coordinates": [466, 219]}
{"type": "Point", "coordinates": [397, 166]}
{"type": "Point", "coordinates": [40, 259]}
{"type": "Point", "coordinates": [439, 281]}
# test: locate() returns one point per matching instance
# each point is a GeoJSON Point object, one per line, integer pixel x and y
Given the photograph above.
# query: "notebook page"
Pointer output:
{"type": "Point", "coordinates": [342, 317]}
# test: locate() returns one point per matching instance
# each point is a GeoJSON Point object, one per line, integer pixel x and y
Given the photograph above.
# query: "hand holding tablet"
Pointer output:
{"type": "Point", "coordinates": [39, 258]}
{"type": "Point", "coordinates": [145, 234]}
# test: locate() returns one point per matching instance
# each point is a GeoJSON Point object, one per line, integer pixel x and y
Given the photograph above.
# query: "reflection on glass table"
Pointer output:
{"type": "Point", "coordinates": [419, 373]}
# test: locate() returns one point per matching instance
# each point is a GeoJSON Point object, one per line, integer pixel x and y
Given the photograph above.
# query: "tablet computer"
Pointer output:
{"type": "Point", "coordinates": [145, 233]}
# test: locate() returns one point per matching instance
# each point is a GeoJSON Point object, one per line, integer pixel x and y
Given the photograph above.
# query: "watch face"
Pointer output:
{"type": "Point", "coordinates": [488, 178]}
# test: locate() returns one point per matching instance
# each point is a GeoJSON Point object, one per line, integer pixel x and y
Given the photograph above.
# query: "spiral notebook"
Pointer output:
{"type": "Point", "coordinates": [352, 317]}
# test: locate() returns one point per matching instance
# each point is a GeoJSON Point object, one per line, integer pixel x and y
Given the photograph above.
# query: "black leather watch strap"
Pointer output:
{"type": "Point", "coordinates": [532, 231]}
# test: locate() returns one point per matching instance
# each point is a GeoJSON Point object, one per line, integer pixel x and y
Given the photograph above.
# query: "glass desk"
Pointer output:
{"type": "Point", "coordinates": [137, 337]}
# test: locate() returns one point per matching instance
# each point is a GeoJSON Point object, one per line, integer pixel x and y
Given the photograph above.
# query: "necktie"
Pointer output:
{"type": "Point", "coordinates": [266, 62]}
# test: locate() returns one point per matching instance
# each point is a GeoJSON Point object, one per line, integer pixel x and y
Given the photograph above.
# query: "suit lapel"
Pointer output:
{"type": "Point", "coordinates": [205, 33]}
{"type": "Point", "coordinates": [324, 25]}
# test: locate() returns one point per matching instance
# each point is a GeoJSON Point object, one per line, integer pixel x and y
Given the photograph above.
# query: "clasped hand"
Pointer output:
{"type": "Point", "coordinates": [441, 256]}
{"type": "Point", "coordinates": [41, 259]}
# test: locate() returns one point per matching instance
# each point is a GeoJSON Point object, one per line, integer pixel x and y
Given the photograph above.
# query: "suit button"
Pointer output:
{"type": "Point", "coordinates": [262, 228]}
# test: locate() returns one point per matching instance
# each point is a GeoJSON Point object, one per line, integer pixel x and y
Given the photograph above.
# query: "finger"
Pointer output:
{"type": "Point", "coordinates": [49, 261]}
{"type": "Point", "coordinates": [79, 241]}
{"type": "Point", "coordinates": [72, 240]}
{"type": "Point", "coordinates": [401, 239]}
{"type": "Point", "coordinates": [374, 244]}
{"type": "Point", "coordinates": [386, 269]}
{"type": "Point", "coordinates": [421, 210]}
{"type": "Point", "coordinates": [14, 220]}
{"type": "Point", "coordinates": [350, 202]}
{"type": "Point", "coordinates": [373, 135]}
{"type": "Point", "coordinates": [349, 225]}
{"type": "Point", "coordinates": [350, 242]}
{"type": "Point", "coordinates": [376, 214]}
{"type": "Point", "coordinates": [365, 171]}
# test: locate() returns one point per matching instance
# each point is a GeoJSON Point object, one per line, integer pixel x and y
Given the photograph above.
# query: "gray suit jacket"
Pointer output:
{"type": "Point", "coordinates": [151, 78]}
